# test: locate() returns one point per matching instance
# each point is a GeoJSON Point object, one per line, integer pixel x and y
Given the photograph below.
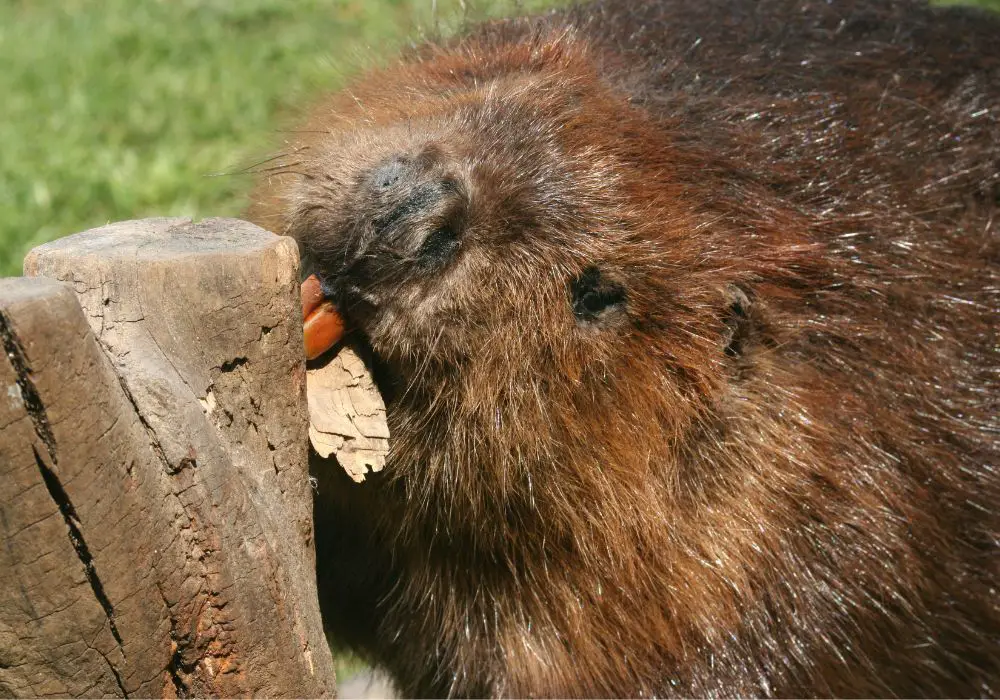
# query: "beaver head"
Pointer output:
{"type": "Point", "coordinates": [553, 305]}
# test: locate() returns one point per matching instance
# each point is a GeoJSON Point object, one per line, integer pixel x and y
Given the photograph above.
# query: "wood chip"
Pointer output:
{"type": "Point", "coordinates": [347, 415]}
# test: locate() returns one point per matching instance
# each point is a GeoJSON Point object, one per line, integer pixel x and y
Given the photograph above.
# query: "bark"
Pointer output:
{"type": "Point", "coordinates": [155, 503]}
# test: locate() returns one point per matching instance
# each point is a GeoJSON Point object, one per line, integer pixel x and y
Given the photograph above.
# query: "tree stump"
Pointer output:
{"type": "Point", "coordinates": [155, 502]}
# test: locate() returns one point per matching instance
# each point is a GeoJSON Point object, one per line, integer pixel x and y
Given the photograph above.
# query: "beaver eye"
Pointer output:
{"type": "Point", "coordinates": [439, 246]}
{"type": "Point", "coordinates": [593, 296]}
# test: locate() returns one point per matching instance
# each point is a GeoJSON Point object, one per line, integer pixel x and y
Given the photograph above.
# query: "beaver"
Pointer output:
{"type": "Point", "coordinates": [685, 313]}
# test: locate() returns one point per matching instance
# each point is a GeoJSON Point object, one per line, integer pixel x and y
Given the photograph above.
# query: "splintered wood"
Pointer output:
{"type": "Point", "coordinates": [347, 415]}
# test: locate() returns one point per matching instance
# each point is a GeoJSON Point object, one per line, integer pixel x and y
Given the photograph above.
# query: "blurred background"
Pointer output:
{"type": "Point", "coordinates": [119, 109]}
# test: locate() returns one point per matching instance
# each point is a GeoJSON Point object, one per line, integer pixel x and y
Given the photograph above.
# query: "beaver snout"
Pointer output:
{"type": "Point", "coordinates": [389, 173]}
{"type": "Point", "coordinates": [410, 214]}
{"type": "Point", "coordinates": [402, 224]}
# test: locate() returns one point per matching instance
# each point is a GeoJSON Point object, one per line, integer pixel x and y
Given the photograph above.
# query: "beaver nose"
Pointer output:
{"type": "Point", "coordinates": [407, 169]}
{"type": "Point", "coordinates": [389, 173]}
{"type": "Point", "coordinates": [405, 194]}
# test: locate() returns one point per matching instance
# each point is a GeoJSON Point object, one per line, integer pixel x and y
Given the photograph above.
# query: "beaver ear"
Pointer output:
{"type": "Point", "coordinates": [594, 296]}
{"type": "Point", "coordinates": [737, 320]}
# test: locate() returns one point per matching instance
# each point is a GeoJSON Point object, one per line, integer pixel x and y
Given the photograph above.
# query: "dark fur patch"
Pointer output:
{"type": "Point", "coordinates": [594, 297]}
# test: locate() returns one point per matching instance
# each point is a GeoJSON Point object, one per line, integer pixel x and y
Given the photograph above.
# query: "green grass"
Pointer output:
{"type": "Point", "coordinates": [986, 4]}
{"type": "Point", "coordinates": [117, 109]}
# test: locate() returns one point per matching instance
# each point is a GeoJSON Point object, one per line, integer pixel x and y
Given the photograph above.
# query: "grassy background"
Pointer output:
{"type": "Point", "coordinates": [117, 109]}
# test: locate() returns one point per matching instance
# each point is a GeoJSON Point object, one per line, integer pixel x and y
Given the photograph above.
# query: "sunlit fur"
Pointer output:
{"type": "Point", "coordinates": [774, 472]}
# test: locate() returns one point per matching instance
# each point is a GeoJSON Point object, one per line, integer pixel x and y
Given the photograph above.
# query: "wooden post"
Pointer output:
{"type": "Point", "coordinates": [155, 504]}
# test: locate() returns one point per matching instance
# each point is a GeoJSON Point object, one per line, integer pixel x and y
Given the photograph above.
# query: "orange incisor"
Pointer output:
{"type": "Point", "coordinates": [323, 326]}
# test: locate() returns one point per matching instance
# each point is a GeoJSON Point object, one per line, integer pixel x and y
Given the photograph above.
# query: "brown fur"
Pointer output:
{"type": "Point", "coordinates": [765, 462]}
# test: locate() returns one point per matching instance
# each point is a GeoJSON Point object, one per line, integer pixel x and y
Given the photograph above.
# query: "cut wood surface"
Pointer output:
{"type": "Point", "coordinates": [347, 414]}
{"type": "Point", "coordinates": [155, 504]}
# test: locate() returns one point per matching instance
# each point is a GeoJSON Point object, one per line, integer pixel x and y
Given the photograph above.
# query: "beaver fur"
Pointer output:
{"type": "Point", "coordinates": [686, 316]}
